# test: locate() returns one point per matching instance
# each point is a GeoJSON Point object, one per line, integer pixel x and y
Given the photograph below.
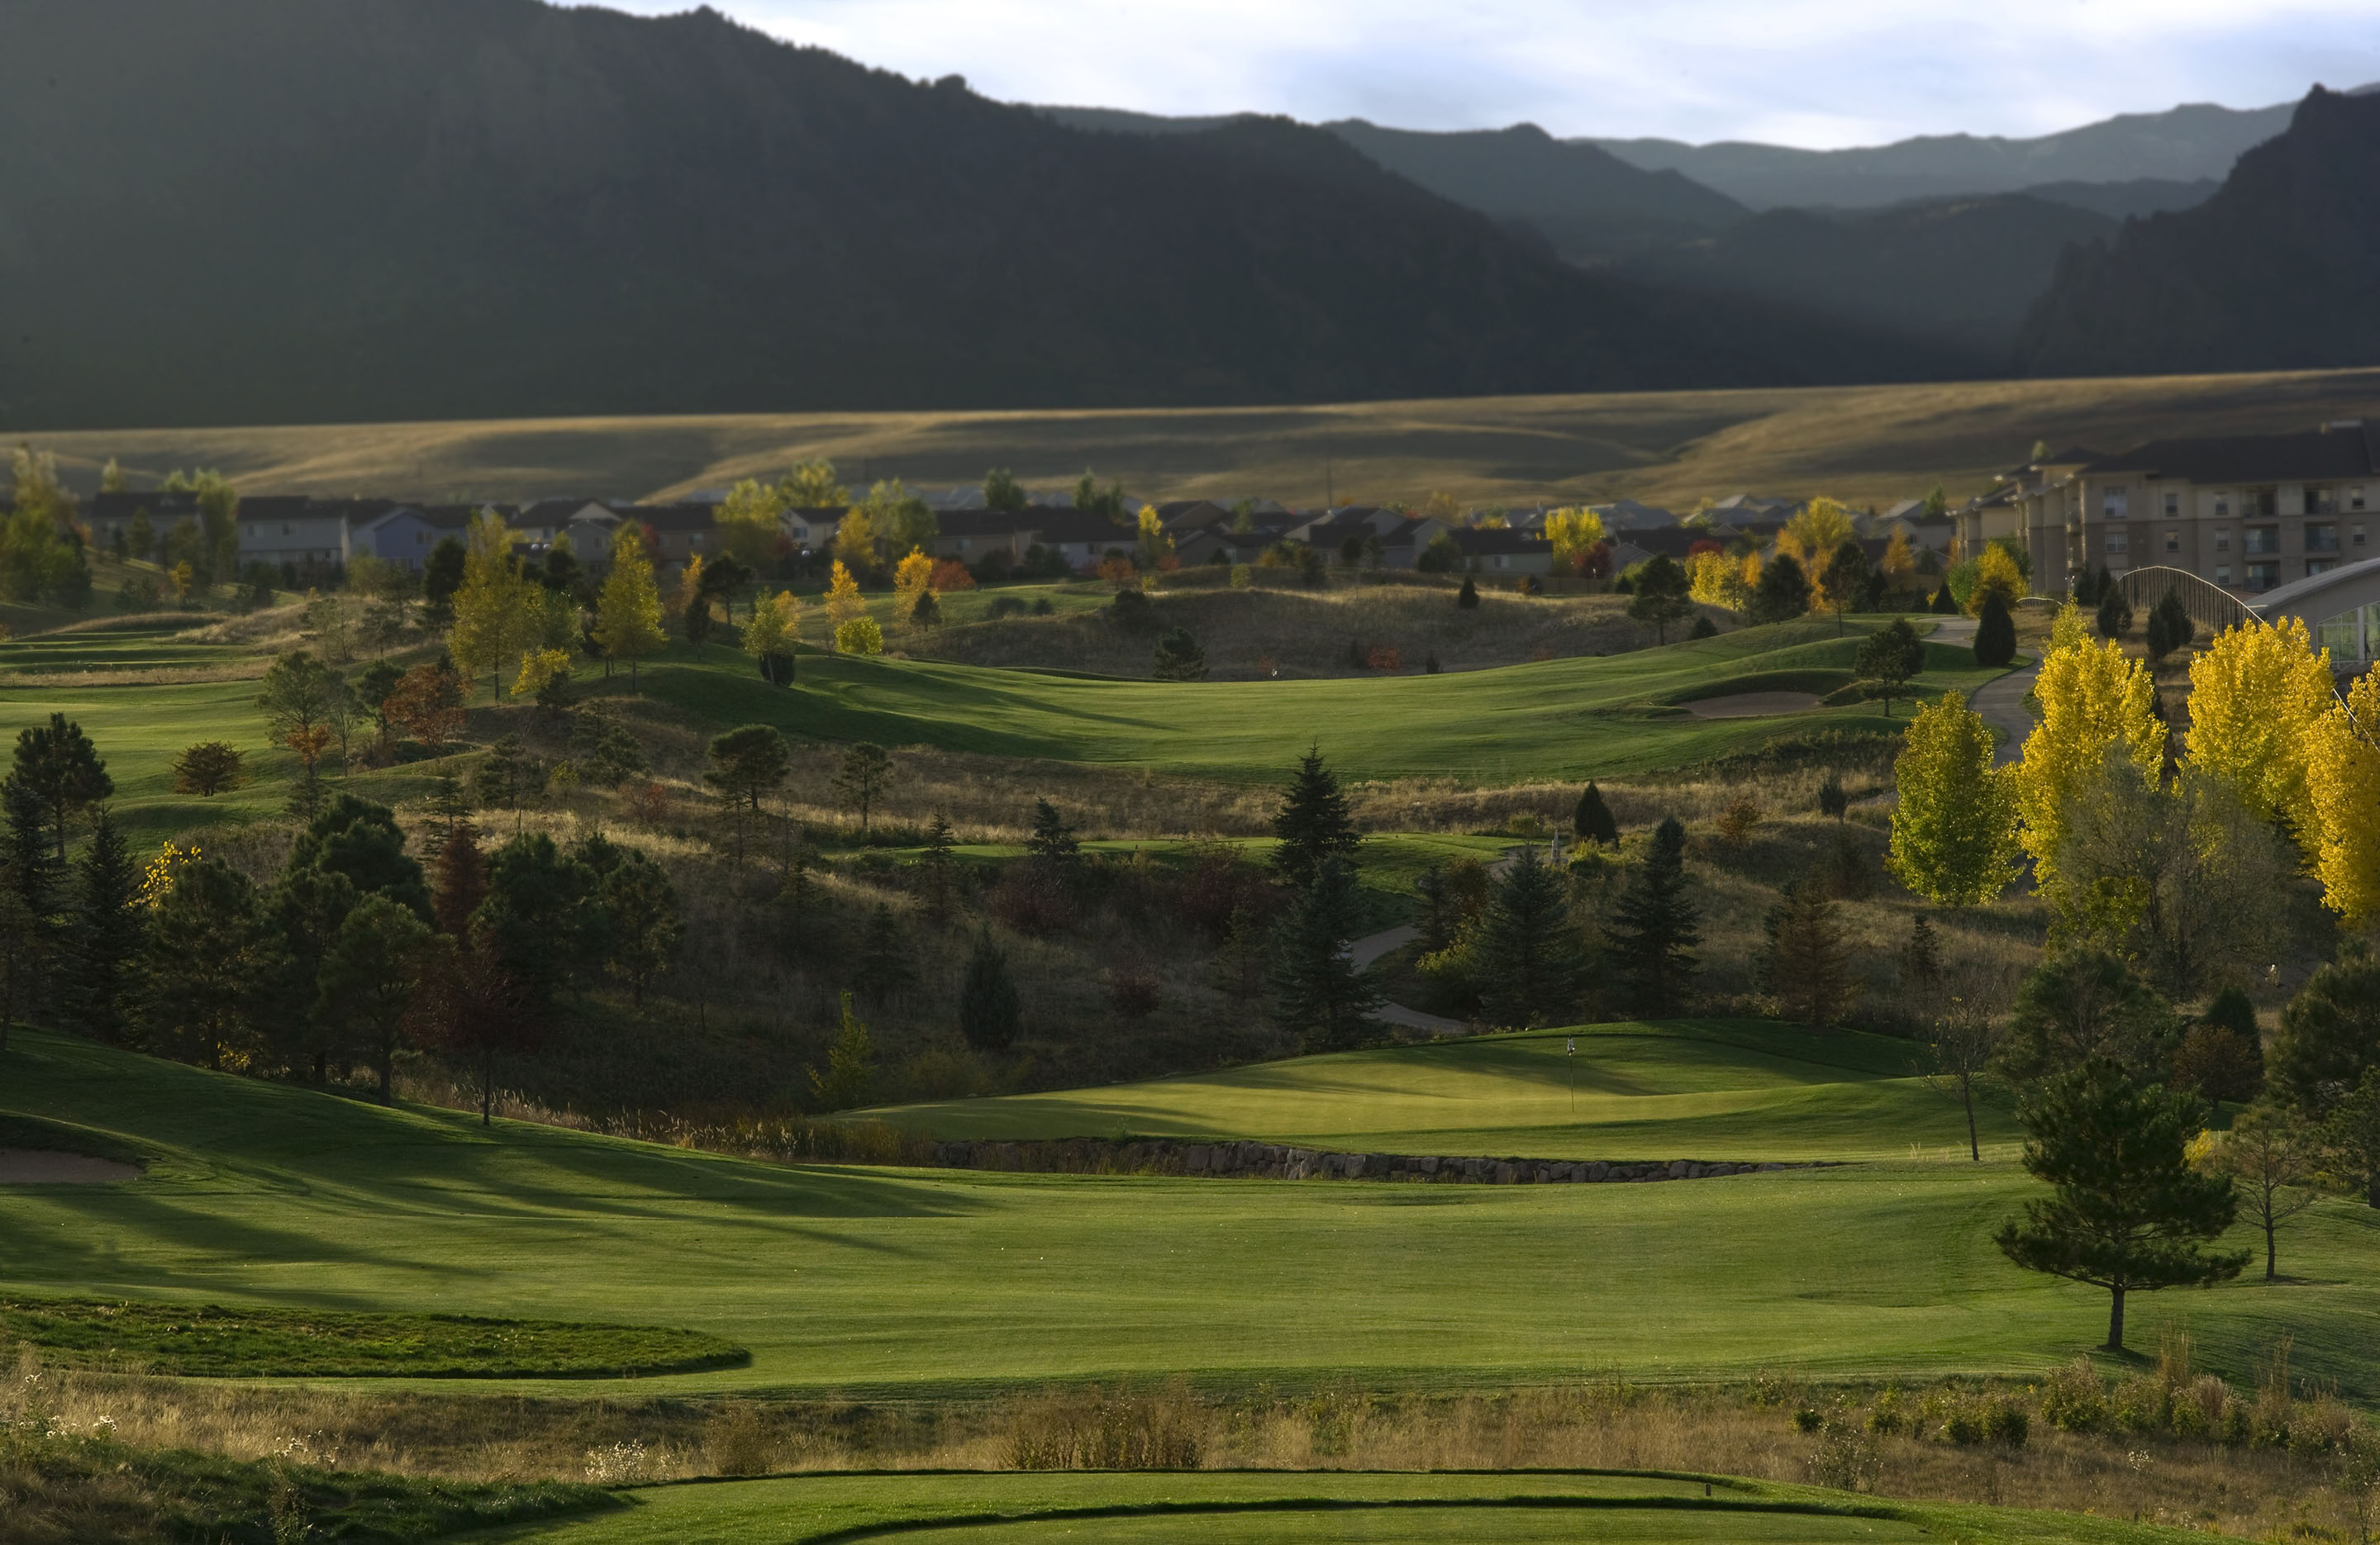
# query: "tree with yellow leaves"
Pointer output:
{"type": "Point", "coordinates": [1154, 543]}
{"type": "Point", "coordinates": [1812, 536]}
{"type": "Point", "coordinates": [913, 582]}
{"type": "Point", "coordinates": [1954, 827]}
{"type": "Point", "coordinates": [860, 636]}
{"type": "Point", "coordinates": [2093, 700]}
{"type": "Point", "coordinates": [2342, 783]}
{"type": "Point", "coordinates": [538, 668]}
{"type": "Point", "coordinates": [2068, 629]}
{"type": "Point", "coordinates": [499, 611]}
{"type": "Point", "coordinates": [1997, 573]}
{"type": "Point", "coordinates": [769, 636]}
{"type": "Point", "coordinates": [1715, 579]}
{"type": "Point", "coordinates": [2256, 694]}
{"type": "Point", "coordinates": [855, 541]}
{"type": "Point", "coordinates": [812, 485]}
{"type": "Point", "coordinates": [750, 523]}
{"type": "Point", "coordinates": [1572, 531]}
{"type": "Point", "coordinates": [842, 602]}
{"type": "Point", "coordinates": [628, 613]}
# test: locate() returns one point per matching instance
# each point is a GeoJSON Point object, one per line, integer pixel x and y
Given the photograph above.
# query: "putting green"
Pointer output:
{"type": "Point", "coordinates": [1738, 1090]}
{"type": "Point", "coordinates": [873, 1282]}
{"type": "Point", "coordinates": [1110, 1508]}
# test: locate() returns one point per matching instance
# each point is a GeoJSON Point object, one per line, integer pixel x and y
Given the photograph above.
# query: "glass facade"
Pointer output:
{"type": "Point", "coordinates": [2350, 636]}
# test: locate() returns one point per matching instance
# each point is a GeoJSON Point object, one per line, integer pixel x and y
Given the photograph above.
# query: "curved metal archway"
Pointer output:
{"type": "Point", "coordinates": [2209, 605]}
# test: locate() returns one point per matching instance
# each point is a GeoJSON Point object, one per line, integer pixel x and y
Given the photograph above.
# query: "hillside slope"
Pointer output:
{"type": "Point", "coordinates": [408, 208]}
{"type": "Point", "coordinates": [2278, 269]}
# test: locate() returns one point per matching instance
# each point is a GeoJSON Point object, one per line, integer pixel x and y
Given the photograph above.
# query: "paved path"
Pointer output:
{"type": "Point", "coordinates": [1371, 946]}
{"type": "Point", "coordinates": [2001, 702]}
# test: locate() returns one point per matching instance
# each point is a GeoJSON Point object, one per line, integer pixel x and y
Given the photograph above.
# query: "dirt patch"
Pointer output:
{"type": "Point", "coordinates": [1753, 705]}
{"type": "Point", "coordinates": [45, 1166]}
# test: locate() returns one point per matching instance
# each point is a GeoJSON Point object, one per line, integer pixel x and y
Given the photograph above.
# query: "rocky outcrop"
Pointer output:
{"type": "Point", "coordinates": [1270, 1161]}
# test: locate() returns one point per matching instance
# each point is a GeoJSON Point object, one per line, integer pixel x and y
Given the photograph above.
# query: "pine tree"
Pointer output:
{"type": "Point", "coordinates": [1888, 658]}
{"type": "Point", "coordinates": [1312, 825]}
{"type": "Point", "coordinates": [2329, 1034]}
{"type": "Point", "coordinates": [57, 763]}
{"type": "Point", "coordinates": [1319, 993]}
{"type": "Point", "coordinates": [1053, 839]}
{"type": "Point", "coordinates": [210, 965]}
{"type": "Point", "coordinates": [1591, 820]}
{"type": "Point", "coordinates": [1656, 929]}
{"type": "Point", "coordinates": [642, 926]}
{"type": "Point", "coordinates": [1945, 602]}
{"type": "Point", "coordinates": [1525, 956]}
{"type": "Point", "coordinates": [1783, 592]}
{"type": "Point", "coordinates": [1995, 633]}
{"type": "Point", "coordinates": [2115, 616]}
{"type": "Point", "coordinates": [107, 932]}
{"type": "Point", "coordinates": [2128, 1211]}
{"type": "Point", "coordinates": [368, 977]}
{"type": "Point", "coordinates": [1468, 596]}
{"type": "Point", "coordinates": [989, 1013]}
{"type": "Point", "coordinates": [1921, 959]}
{"type": "Point", "coordinates": [1179, 658]}
{"type": "Point", "coordinates": [2171, 627]}
{"type": "Point", "coordinates": [1807, 963]}
{"type": "Point", "coordinates": [936, 863]}
{"type": "Point", "coordinates": [29, 903]}
{"type": "Point", "coordinates": [883, 965]}
{"type": "Point", "coordinates": [1833, 798]}
{"type": "Point", "coordinates": [848, 1073]}
{"type": "Point", "coordinates": [860, 780]}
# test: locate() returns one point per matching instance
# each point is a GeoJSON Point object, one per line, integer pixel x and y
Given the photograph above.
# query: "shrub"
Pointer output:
{"type": "Point", "coordinates": [1243, 576]}
{"type": "Point", "coordinates": [1042, 607]}
{"type": "Point", "coordinates": [2006, 1422]}
{"type": "Point", "coordinates": [1735, 824]}
{"type": "Point", "coordinates": [1133, 611]}
{"type": "Point", "coordinates": [950, 574]}
{"type": "Point", "coordinates": [1033, 898]}
{"type": "Point", "coordinates": [1964, 1425]}
{"type": "Point", "coordinates": [1133, 993]}
{"type": "Point", "coordinates": [1384, 657]}
{"type": "Point", "coordinates": [861, 635]}
{"type": "Point", "coordinates": [2138, 1405]}
{"type": "Point", "coordinates": [1005, 606]}
{"type": "Point", "coordinates": [2074, 1399]}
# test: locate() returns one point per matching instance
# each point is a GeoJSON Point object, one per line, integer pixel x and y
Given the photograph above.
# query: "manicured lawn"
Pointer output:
{"type": "Point", "coordinates": [1567, 719]}
{"type": "Point", "coordinates": [1705, 1089]}
{"type": "Point", "coordinates": [889, 1282]}
{"type": "Point", "coordinates": [1521, 1508]}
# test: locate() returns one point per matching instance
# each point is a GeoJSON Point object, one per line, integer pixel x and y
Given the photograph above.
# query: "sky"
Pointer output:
{"type": "Point", "coordinates": [1815, 72]}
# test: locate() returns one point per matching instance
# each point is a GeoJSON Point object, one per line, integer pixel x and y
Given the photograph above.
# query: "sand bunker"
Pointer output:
{"type": "Point", "coordinates": [1753, 705]}
{"type": "Point", "coordinates": [42, 1167]}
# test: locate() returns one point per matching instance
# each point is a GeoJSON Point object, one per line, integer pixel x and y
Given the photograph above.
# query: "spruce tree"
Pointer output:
{"type": "Point", "coordinates": [1995, 633]}
{"type": "Point", "coordinates": [1807, 963]}
{"type": "Point", "coordinates": [29, 909]}
{"type": "Point", "coordinates": [989, 1014]}
{"type": "Point", "coordinates": [1468, 596]}
{"type": "Point", "coordinates": [1526, 957]}
{"type": "Point", "coordinates": [1052, 838]}
{"type": "Point", "coordinates": [936, 863]}
{"type": "Point", "coordinates": [1783, 592]}
{"type": "Point", "coordinates": [2171, 627]}
{"type": "Point", "coordinates": [1656, 927]}
{"type": "Point", "coordinates": [883, 967]}
{"type": "Point", "coordinates": [2115, 618]}
{"type": "Point", "coordinates": [1312, 825]}
{"type": "Point", "coordinates": [1944, 604]}
{"type": "Point", "coordinates": [2128, 1211]}
{"type": "Point", "coordinates": [459, 880]}
{"type": "Point", "coordinates": [107, 932]}
{"type": "Point", "coordinates": [1317, 990]}
{"type": "Point", "coordinates": [1591, 820]}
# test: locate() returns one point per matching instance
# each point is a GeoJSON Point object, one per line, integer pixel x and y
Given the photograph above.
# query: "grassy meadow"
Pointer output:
{"type": "Point", "coordinates": [885, 1282]}
{"type": "Point", "coordinates": [1864, 444]}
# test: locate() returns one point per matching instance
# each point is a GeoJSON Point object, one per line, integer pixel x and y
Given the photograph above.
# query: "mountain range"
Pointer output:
{"type": "Point", "coordinates": [286, 210]}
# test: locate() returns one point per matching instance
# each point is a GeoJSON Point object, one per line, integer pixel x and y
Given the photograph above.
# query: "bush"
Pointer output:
{"type": "Point", "coordinates": [2006, 1422]}
{"type": "Point", "coordinates": [1133, 993]}
{"type": "Point", "coordinates": [2074, 1399]}
{"type": "Point", "coordinates": [1005, 606]}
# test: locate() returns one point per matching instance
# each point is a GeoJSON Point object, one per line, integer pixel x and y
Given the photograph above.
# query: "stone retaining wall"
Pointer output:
{"type": "Point", "coordinates": [1267, 1161]}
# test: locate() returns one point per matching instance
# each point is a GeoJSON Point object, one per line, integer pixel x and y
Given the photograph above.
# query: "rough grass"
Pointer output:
{"type": "Point", "coordinates": [1865, 445]}
{"type": "Point", "coordinates": [940, 1283]}
{"type": "Point", "coordinates": [210, 1341]}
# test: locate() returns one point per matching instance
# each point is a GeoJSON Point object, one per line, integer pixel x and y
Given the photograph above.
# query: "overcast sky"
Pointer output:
{"type": "Point", "coordinates": [1819, 73]}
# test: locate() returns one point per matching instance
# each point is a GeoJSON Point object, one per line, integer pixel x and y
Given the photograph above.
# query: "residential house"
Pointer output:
{"type": "Point", "coordinates": [1503, 550]}
{"type": "Point", "coordinates": [971, 536]}
{"type": "Point", "coordinates": [1222, 545]}
{"type": "Point", "coordinates": [1083, 537]}
{"type": "Point", "coordinates": [292, 531]}
{"type": "Point", "coordinates": [110, 515]}
{"type": "Point", "coordinates": [811, 529]}
{"type": "Point", "coordinates": [1626, 514]}
{"type": "Point", "coordinates": [2249, 513]}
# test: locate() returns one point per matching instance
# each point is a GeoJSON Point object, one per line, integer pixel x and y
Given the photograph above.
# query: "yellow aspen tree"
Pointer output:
{"type": "Point", "coordinates": [912, 580]}
{"type": "Point", "coordinates": [628, 612]}
{"type": "Point", "coordinates": [688, 594]}
{"type": "Point", "coordinates": [1954, 824]}
{"type": "Point", "coordinates": [2070, 628]}
{"type": "Point", "coordinates": [2093, 699]}
{"type": "Point", "coordinates": [749, 522]}
{"type": "Point", "coordinates": [538, 668]}
{"type": "Point", "coordinates": [2255, 695]}
{"type": "Point", "coordinates": [769, 636]}
{"type": "Point", "coordinates": [1813, 536]}
{"type": "Point", "coordinates": [1899, 563]}
{"type": "Point", "coordinates": [2342, 778]}
{"type": "Point", "coordinates": [1996, 571]}
{"type": "Point", "coordinates": [842, 602]}
{"type": "Point", "coordinates": [1572, 531]}
{"type": "Point", "coordinates": [491, 627]}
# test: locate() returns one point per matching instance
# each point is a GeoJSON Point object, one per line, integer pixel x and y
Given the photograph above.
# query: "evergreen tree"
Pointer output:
{"type": "Point", "coordinates": [1921, 961]}
{"type": "Point", "coordinates": [1591, 820]}
{"type": "Point", "coordinates": [2086, 1005]}
{"type": "Point", "coordinates": [2329, 1034]}
{"type": "Point", "coordinates": [508, 778]}
{"type": "Point", "coordinates": [369, 976]}
{"type": "Point", "coordinates": [1052, 838]}
{"type": "Point", "coordinates": [746, 765]}
{"type": "Point", "coordinates": [1888, 658]}
{"type": "Point", "coordinates": [107, 932]}
{"type": "Point", "coordinates": [1995, 633]}
{"type": "Point", "coordinates": [1179, 658]}
{"type": "Point", "coordinates": [1525, 957]}
{"type": "Point", "coordinates": [1783, 592]}
{"type": "Point", "coordinates": [1833, 798]}
{"type": "Point", "coordinates": [989, 1013]}
{"type": "Point", "coordinates": [1468, 596]}
{"type": "Point", "coordinates": [642, 928]}
{"type": "Point", "coordinates": [536, 919]}
{"type": "Point", "coordinates": [1312, 825]}
{"type": "Point", "coordinates": [883, 965]}
{"type": "Point", "coordinates": [362, 839]}
{"type": "Point", "coordinates": [1944, 603]}
{"type": "Point", "coordinates": [848, 1074]}
{"type": "Point", "coordinates": [211, 965]}
{"type": "Point", "coordinates": [2128, 1212]}
{"type": "Point", "coordinates": [1319, 991]}
{"type": "Point", "coordinates": [860, 780]}
{"type": "Point", "coordinates": [1660, 595]}
{"type": "Point", "coordinates": [1656, 929]}
{"type": "Point", "coordinates": [57, 763]}
{"type": "Point", "coordinates": [2115, 617]}
{"type": "Point", "coordinates": [1807, 962]}
{"type": "Point", "coordinates": [2169, 626]}
{"type": "Point", "coordinates": [936, 863]}
{"type": "Point", "coordinates": [2350, 1138]}
{"type": "Point", "coordinates": [442, 575]}
{"type": "Point", "coordinates": [303, 915]}
{"type": "Point", "coordinates": [459, 880]}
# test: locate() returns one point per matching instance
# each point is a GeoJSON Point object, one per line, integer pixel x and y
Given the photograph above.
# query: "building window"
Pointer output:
{"type": "Point", "coordinates": [2262, 539]}
{"type": "Point", "coordinates": [2223, 541]}
{"type": "Point", "coordinates": [2342, 635]}
{"type": "Point", "coordinates": [2319, 567]}
{"type": "Point", "coordinates": [2355, 499]}
{"type": "Point", "coordinates": [2116, 502]}
{"type": "Point", "coordinates": [2322, 538]}
{"type": "Point", "coordinates": [2222, 506]}
{"type": "Point", "coordinates": [2355, 536]}
{"type": "Point", "coordinates": [2222, 574]}
{"type": "Point", "coordinates": [2172, 503]}
{"type": "Point", "coordinates": [2172, 541]}
{"type": "Point", "coordinates": [2263, 576]}
{"type": "Point", "coordinates": [2119, 543]}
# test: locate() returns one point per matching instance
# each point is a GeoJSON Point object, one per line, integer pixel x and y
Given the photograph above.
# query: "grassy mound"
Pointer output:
{"type": "Point", "coordinates": [79, 1489]}
{"type": "Point", "coordinates": [209, 1341]}
{"type": "Point", "coordinates": [1737, 1090]}
{"type": "Point", "coordinates": [1599, 1508]}
{"type": "Point", "coordinates": [871, 1282]}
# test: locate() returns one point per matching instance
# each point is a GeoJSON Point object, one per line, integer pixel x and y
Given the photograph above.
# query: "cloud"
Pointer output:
{"type": "Point", "coordinates": [1818, 73]}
